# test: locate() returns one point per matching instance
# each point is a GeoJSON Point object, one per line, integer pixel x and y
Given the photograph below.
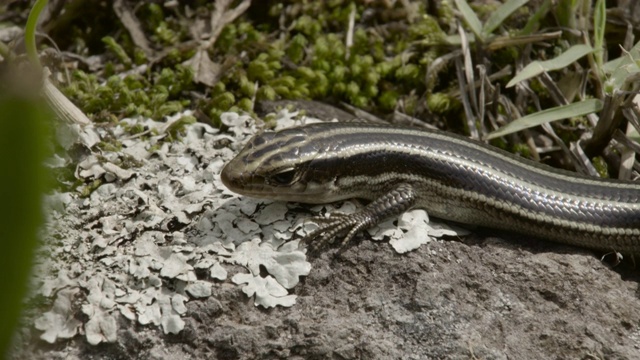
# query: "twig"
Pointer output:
{"type": "Point", "coordinates": [468, 72]}
{"type": "Point", "coordinates": [132, 24]}
{"type": "Point", "coordinates": [350, 29]}
{"type": "Point", "coordinates": [610, 119]}
{"type": "Point", "coordinates": [222, 16]}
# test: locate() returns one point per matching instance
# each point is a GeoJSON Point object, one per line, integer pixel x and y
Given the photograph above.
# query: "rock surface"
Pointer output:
{"type": "Point", "coordinates": [484, 298]}
{"type": "Point", "coordinates": [480, 297]}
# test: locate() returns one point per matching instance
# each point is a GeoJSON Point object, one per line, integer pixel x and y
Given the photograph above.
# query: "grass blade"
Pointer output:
{"type": "Point", "coordinates": [565, 59]}
{"type": "Point", "coordinates": [622, 69]}
{"type": "Point", "coordinates": [470, 18]}
{"type": "Point", "coordinates": [599, 22]}
{"type": "Point", "coordinates": [548, 115]}
{"type": "Point", "coordinates": [501, 14]}
{"type": "Point", "coordinates": [627, 57]}
{"type": "Point", "coordinates": [534, 22]}
{"type": "Point", "coordinates": [30, 31]}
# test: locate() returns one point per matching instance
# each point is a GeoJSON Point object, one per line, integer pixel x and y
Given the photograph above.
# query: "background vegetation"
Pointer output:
{"type": "Point", "coordinates": [485, 69]}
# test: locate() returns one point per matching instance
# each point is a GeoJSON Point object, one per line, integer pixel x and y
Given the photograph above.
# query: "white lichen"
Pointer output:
{"type": "Point", "coordinates": [151, 238]}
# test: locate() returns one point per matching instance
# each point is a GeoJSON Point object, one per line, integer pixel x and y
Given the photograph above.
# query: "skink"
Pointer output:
{"type": "Point", "coordinates": [452, 177]}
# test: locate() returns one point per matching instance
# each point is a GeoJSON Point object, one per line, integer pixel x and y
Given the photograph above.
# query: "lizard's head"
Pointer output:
{"type": "Point", "coordinates": [284, 165]}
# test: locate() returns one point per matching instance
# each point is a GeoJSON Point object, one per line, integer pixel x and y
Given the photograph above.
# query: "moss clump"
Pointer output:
{"type": "Point", "coordinates": [132, 95]}
{"type": "Point", "coordinates": [601, 166]}
{"type": "Point", "coordinates": [522, 149]}
{"type": "Point", "coordinates": [291, 51]}
{"type": "Point", "coordinates": [176, 129]}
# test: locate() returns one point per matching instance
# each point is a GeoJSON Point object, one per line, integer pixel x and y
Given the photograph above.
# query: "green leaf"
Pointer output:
{"type": "Point", "coordinates": [548, 115]}
{"type": "Point", "coordinates": [627, 57]}
{"type": "Point", "coordinates": [30, 31]}
{"type": "Point", "coordinates": [534, 22]}
{"type": "Point", "coordinates": [565, 12]}
{"type": "Point", "coordinates": [23, 143]}
{"type": "Point", "coordinates": [470, 17]}
{"type": "Point", "coordinates": [501, 14]}
{"type": "Point", "coordinates": [565, 59]}
{"type": "Point", "coordinates": [634, 135]}
{"type": "Point", "coordinates": [599, 23]}
{"type": "Point", "coordinates": [620, 70]}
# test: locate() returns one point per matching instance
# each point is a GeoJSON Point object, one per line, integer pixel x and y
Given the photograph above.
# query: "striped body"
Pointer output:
{"type": "Point", "coordinates": [453, 178]}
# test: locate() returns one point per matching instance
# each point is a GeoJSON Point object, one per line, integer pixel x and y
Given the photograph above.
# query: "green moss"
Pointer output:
{"type": "Point", "coordinates": [306, 74]}
{"type": "Point", "coordinates": [601, 166]}
{"type": "Point", "coordinates": [129, 162]}
{"type": "Point", "coordinates": [165, 34]}
{"type": "Point", "coordinates": [250, 34]}
{"type": "Point", "coordinates": [247, 88]}
{"type": "Point", "coordinates": [293, 51]}
{"type": "Point", "coordinates": [322, 48]}
{"type": "Point", "coordinates": [352, 90]}
{"type": "Point", "coordinates": [139, 57]}
{"type": "Point", "coordinates": [296, 49]}
{"type": "Point", "coordinates": [135, 129]}
{"type": "Point", "coordinates": [117, 50]}
{"type": "Point", "coordinates": [539, 89]}
{"type": "Point", "coordinates": [286, 81]}
{"type": "Point", "coordinates": [218, 88]}
{"type": "Point", "coordinates": [245, 104]}
{"type": "Point", "coordinates": [174, 56]}
{"type": "Point", "coordinates": [155, 147]}
{"type": "Point", "coordinates": [507, 55]}
{"type": "Point", "coordinates": [360, 101]}
{"type": "Point", "coordinates": [428, 30]}
{"type": "Point", "coordinates": [168, 108]}
{"type": "Point", "coordinates": [336, 46]}
{"type": "Point", "coordinates": [372, 77]}
{"type": "Point", "coordinates": [214, 115]}
{"type": "Point", "coordinates": [339, 73]}
{"type": "Point", "coordinates": [86, 190]}
{"type": "Point", "coordinates": [410, 103]}
{"type": "Point", "coordinates": [522, 149]}
{"type": "Point", "coordinates": [388, 100]}
{"type": "Point", "coordinates": [446, 12]}
{"type": "Point", "coordinates": [307, 25]}
{"type": "Point", "coordinates": [300, 91]}
{"type": "Point", "coordinates": [133, 94]}
{"type": "Point", "coordinates": [259, 70]}
{"type": "Point", "coordinates": [266, 93]}
{"type": "Point", "coordinates": [439, 103]}
{"type": "Point", "coordinates": [282, 91]}
{"type": "Point", "coordinates": [176, 129]}
{"type": "Point", "coordinates": [409, 73]}
{"type": "Point", "coordinates": [339, 89]}
{"type": "Point", "coordinates": [321, 86]}
{"type": "Point", "coordinates": [110, 146]}
{"type": "Point", "coordinates": [174, 81]}
{"type": "Point", "coordinates": [385, 68]}
{"type": "Point", "coordinates": [153, 14]}
{"type": "Point", "coordinates": [370, 91]}
{"type": "Point", "coordinates": [223, 101]}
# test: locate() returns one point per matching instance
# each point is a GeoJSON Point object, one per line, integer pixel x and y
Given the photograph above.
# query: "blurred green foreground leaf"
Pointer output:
{"type": "Point", "coordinates": [22, 183]}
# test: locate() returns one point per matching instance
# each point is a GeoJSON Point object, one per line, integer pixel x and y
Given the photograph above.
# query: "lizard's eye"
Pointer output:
{"type": "Point", "coordinates": [284, 177]}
